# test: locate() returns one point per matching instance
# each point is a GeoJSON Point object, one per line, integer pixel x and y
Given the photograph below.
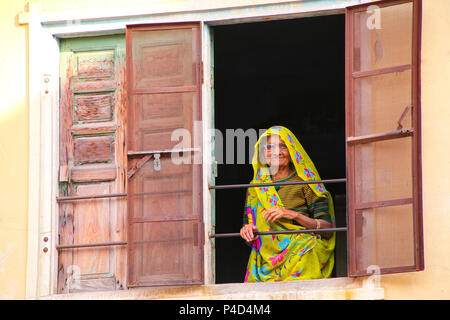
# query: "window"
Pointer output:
{"type": "Point", "coordinates": [284, 72]}
{"type": "Point", "coordinates": [129, 216]}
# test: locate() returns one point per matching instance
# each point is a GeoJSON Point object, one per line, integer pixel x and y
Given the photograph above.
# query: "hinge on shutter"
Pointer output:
{"type": "Point", "coordinates": [198, 234]}
{"type": "Point", "coordinates": [202, 233]}
{"type": "Point", "coordinates": [201, 71]}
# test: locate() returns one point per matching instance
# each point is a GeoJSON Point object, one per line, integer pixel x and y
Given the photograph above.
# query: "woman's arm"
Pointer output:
{"type": "Point", "coordinates": [274, 214]}
{"type": "Point", "coordinates": [312, 223]}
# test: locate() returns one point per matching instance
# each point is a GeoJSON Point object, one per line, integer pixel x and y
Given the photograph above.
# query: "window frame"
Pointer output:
{"type": "Point", "coordinates": [45, 30]}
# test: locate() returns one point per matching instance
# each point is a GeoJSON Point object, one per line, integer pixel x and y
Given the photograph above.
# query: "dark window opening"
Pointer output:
{"type": "Point", "coordinates": [289, 73]}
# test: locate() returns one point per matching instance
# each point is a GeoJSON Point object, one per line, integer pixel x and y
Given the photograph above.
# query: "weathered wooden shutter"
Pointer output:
{"type": "Point", "coordinates": [383, 137]}
{"type": "Point", "coordinates": [164, 197]}
{"type": "Point", "coordinates": [92, 164]}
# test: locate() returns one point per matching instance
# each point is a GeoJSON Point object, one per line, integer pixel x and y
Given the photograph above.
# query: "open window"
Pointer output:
{"type": "Point", "coordinates": [284, 72]}
{"type": "Point", "coordinates": [382, 135]}
{"type": "Point", "coordinates": [130, 216]}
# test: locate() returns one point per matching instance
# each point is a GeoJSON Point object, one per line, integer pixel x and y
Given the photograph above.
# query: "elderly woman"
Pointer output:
{"type": "Point", "coordinates": [279, 157]}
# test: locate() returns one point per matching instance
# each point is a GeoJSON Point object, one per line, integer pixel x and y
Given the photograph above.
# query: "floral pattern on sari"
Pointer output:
{"type": "Point", "coordinates": [285, 257]}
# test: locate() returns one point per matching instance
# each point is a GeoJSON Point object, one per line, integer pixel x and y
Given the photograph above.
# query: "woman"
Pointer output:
{"type": "Point", "coordinates": [279, 157]}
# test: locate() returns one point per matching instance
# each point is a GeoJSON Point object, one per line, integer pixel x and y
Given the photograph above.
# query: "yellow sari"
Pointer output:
{"type": "Point", "coordinates": [286, 256]}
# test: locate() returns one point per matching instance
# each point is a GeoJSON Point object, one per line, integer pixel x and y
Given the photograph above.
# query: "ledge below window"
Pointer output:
{"type": "Point", "coordinates": [321, 289]}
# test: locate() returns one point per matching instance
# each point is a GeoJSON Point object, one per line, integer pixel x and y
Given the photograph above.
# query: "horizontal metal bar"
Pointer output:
{"type": "Point", "coordinates": [99, 196]}
{"type": "Point", "coordinates": [380, 136]}
{"type": "Point", "coordinates": [231, 235]}
{"type": "Point", "coordinates": [88, 245]}
{"type": "Point", "coordinates": [147, 152]}
{"type": "Point", "coordinates": [248, 185]}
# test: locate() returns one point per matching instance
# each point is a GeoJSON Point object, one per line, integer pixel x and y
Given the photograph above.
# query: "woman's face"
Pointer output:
{"type": "Point", "coordinates": [276, 153]}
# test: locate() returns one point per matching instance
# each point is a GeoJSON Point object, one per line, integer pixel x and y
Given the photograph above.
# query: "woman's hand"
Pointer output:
{"type": "Point", "coordinates": [274, 214]}
{"type": "Point", "coordinates": [247, 232]}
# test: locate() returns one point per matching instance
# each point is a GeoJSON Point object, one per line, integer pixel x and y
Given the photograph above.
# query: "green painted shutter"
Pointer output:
{"type": "Point", "coordinates": [92, 163]}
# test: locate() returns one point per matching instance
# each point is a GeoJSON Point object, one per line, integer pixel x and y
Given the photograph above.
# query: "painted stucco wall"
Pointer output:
{"type": "Point", "coordinates": [13, 152]}
{"type": "Point", "coordinates": [432, 283]}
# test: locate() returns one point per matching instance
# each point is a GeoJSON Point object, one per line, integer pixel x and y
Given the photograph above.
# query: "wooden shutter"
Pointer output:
{"type": "Point", "coordinates": [92, 163]}
{"type": "Point", "coordinates": [383, 136]}
{"type": "Point", "coordinates": [164, 198]}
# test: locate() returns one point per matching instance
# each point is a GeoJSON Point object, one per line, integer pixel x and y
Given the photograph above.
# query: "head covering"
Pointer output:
{"type": "Point", "coordinates": [287, 256]}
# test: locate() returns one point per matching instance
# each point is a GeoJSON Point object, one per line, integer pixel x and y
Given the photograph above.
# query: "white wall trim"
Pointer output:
{"type": "Point", "coordinates": [207, 153]}
{"type": "Point", "coordinates": [208, 9]}
{"type": "Point", "coordinates": [115, 20]}
{"type": "Point", "coordinates": [43, 85]}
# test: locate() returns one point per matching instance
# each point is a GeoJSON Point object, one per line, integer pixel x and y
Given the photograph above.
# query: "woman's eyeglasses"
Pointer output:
{"type": "Point", "coordinates": [272, 146]}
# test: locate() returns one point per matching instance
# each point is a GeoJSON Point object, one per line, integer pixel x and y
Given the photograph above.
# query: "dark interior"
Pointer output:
{"type": "Point", "coordinates": [289, 73]}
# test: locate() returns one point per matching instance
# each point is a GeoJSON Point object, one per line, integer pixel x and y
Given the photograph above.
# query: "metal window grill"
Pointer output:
{"type": "Point", "coordinates": [217, 187]}
{"type": "Point", "coordinates": [248, 185]}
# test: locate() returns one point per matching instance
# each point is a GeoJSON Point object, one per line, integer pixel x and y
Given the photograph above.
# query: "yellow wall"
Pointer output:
{"type": "Point", "coordinates": [13, 152]}
{"type": "Point", "coordinates": [433, 283]}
